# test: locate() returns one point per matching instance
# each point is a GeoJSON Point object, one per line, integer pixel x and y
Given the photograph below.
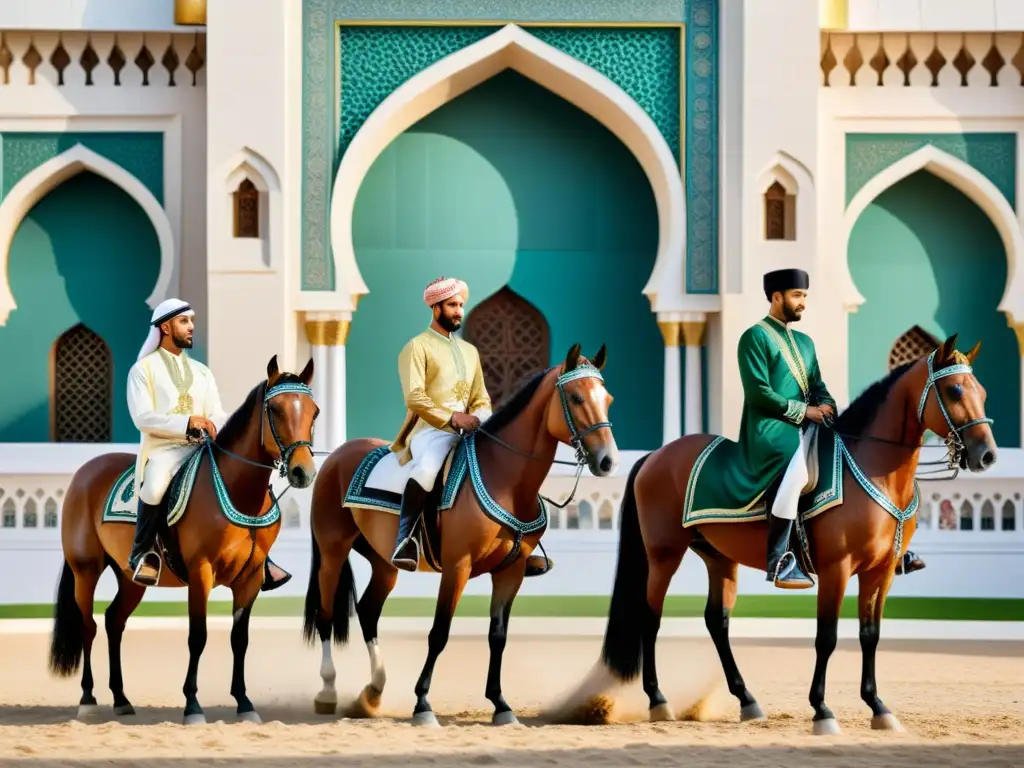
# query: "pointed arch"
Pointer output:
{"type": "Point", "coordinates": [35, 185]}
{"type": "Point", "coordinates": [513, 338]}
{"type": "Point", "coordinates": [245, 253]}
{"type": "Point", "coordinates": [81, 388]}
{"type": "Point", "coordinates": [971, 183]}
{"type": "Point", "coordinates": [787, 195]}
{"type": "Point", "coordinates": [513, 48]}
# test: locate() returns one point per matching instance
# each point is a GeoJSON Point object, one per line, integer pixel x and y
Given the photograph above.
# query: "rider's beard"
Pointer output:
{"type": "Point", "coordinates": [181, 342]}
{"type": "Point", "coordinates": [789, 313]}
{"type": "Point", "coordinates": [450, 324]}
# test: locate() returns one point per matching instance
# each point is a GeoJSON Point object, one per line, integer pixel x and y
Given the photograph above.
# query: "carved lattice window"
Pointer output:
{"type": "Point", "coordinates": [912, 345]}
{"type": "Point", "coordinates": [513, 339]}
{"type": "Point", "coordinates": [779, 213]}
{"type": "Point", "coordinates": [247, 210]}
{"type": "Point", "coordinates": [83, 387]}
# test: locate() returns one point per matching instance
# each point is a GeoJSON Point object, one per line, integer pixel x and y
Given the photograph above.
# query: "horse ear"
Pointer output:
{"type": "Point", "coordinates": [272, 370]}
{"type": "Point", "coordinates": [973, 353]}
{"type": "Point", "coordinates": [572, 359]}
{"type": "Point", "coordinates": [946, 351]}
{"type": "Point", "coordinates": [600, 358]}
{"type": "Point", "coordinates": [307, 373]}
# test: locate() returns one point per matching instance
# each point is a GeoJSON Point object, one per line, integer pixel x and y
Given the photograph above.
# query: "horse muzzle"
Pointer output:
{"type": "Point", "coordinates": [604, 461]}
{"type": "Point", "coordinates": [981, 455]}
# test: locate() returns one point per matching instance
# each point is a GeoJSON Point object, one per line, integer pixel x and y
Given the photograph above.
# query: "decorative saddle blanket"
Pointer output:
{"type": "Point", "coordinates": [122, 502]}
{"type": "Point", "coordinates": [708, 499]}
{"type": "Point", "coordinates": [380, 480]}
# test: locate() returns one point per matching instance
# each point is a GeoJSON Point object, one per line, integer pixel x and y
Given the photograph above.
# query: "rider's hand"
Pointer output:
{"type": "Point", "coordinates": [466, 422]}
{"type": "Point", "coordinates": [827, 411]}
{"type": "Point", "coordinates": [815, 414]}
{"type": "Point", "coordinates": [201, 422]}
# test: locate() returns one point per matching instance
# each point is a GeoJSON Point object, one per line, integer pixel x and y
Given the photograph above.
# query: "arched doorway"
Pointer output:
{"type": "Point", "coordinates": [923, 254]}
{"type": "Point", "coordinates": [511, 186]}
{"type": "Point", "coordinates": [82, 388]}
{"type": "Point", "coordinates": [85, 254]}
{"type": "Point", "coordinates": [513, 339]}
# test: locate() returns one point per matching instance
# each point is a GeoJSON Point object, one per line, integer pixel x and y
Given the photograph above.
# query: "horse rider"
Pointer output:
{"type": "Point", "coordinates": [172, 398]}
{"type": "Point", "coordinates": [445, 394]}
{"type": "Point", "coordinates": [784, 394]}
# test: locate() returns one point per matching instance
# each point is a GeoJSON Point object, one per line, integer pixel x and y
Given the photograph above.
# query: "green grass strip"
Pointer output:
{"type": "Point", "coordinates": [748, 606]}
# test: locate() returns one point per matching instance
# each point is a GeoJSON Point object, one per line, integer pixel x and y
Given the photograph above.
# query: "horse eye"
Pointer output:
{"type": "Point", "coordinates": [956, 391]}
{"type": "Point", "coordinates": [577, 398]}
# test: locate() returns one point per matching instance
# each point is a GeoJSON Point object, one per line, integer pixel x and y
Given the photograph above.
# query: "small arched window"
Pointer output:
{"type": "Point", "coordinates": [82, 387]}
{"type": "Point", "coordinates": [247, 210]}
{"type": "Point", "coordinates": [779, 213]}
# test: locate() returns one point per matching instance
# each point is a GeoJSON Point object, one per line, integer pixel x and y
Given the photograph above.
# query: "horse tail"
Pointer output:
{"type": "Point", "coordinates": [623, 642]}
{"type": "Point", "coordinates": [312, 593]}
{"type": "Point", "coordinates": [67, 642]}
{"type": "Point", "coordinates": [344, 600]}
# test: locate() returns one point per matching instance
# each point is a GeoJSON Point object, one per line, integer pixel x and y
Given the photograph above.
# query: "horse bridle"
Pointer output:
{"type": "Point", "coordinates": [954, 441]}
{"type": "Point", "coordinates": [284, 451]}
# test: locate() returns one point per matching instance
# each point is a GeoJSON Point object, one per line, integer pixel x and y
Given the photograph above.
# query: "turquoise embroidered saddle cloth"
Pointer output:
{"type": "Point", "coordinates": [122, 505]}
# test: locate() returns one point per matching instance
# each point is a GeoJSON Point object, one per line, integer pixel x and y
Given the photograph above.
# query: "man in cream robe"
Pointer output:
{"type": "Point", "coordinates": [171, 397]}
{"type": "Point", "coordinates": [444, 390]}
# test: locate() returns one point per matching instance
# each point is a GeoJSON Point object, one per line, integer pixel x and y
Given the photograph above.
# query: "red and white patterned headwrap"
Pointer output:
{"type": "Point", "coordinates": [442, 289]}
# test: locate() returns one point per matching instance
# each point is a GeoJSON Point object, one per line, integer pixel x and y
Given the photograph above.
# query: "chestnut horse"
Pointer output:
{"type": "Point", "coordinates": [492, 521]}
{"type": "Point", "coordinates": [877, 447]}
{"type": "Point", "coordinates": [222, 536]}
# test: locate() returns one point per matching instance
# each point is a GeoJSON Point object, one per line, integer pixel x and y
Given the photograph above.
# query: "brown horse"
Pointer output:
{"type": "Point", "coordinates": [222, 537]}
{"type": "Point", "coordinates": [490, 524]}
{"type": "Point", "coordinates": [860, 535]}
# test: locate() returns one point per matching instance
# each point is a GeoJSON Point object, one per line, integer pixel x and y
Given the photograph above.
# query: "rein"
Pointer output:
{"type": "Point", "coordinates": [576, 437]}
{"type": "Point", "coordinates": [953, 441]}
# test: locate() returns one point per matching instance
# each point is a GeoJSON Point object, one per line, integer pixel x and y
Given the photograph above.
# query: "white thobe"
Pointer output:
{"type": "Point", "coordinates": [153, 401]}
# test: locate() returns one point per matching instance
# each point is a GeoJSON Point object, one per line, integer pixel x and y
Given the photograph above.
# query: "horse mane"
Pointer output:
{"type": "Point", "coordinates": [238, 421]}
{"type": "Point", "coordinates": [861, 412]}
{"type": "Point", "coordinates": [507, 413]}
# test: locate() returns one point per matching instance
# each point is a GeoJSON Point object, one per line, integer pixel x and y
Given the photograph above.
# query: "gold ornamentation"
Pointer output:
{"type": "Point", "coordinates": [1019, 330]}
{"type": "Point", "coordinates": [327, 333]}
{"type": "Point", "coordinates": [669, 332]}
{"type": "Point", "coordinates": [693, 332]}
{"type": "Point", "coordinates": [833, 14]}
{"type": "Point", "coordinates": [461, 391]}
{"type": "Point", "coordinates": [182, 379]}
{"type": "Point", "coordinates": [191, 13]}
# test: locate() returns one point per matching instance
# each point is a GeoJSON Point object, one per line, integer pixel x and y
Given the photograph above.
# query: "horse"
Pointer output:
{"type": "Point", "coordinates": [222, 519]}
{"type": "Point", "coordinates": [489, 525]}
{"type": "Point", "coordinates": [861, 529]}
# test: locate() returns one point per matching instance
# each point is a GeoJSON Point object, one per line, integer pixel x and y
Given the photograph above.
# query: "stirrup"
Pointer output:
{"type": "Point", "coordinates": [147, 581]}
{"type": "Point", "coordinates": [404, 563]}
{"type": "Point", "coordinates": [793, 576]}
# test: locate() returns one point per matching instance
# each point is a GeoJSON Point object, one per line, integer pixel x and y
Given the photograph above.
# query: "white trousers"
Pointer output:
{"type": "Point", "coordinates": [161, 465]}
{"type": "Point", "coordinates": [429, 449]}
{"type": "Point", "coordinates": [796, 479]}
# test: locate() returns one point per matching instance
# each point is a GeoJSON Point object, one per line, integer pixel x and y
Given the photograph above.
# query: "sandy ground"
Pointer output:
{"type": "Point", "coordinates": [961, 703]}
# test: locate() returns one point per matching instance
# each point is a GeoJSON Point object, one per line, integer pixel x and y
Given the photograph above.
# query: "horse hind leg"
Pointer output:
{"type": "Point", "coordinates": [129, 595]}
{"type": "Point", "coordinates": [720, 604]}
{"type": "Point", "coordinates": [663, 562]}
{"type": "Point", "coordinates": [873, 587]}
{"type": "Point", "coordinates": [74, 627]}
{"type": "Point", "coordinates": [369, 608]}
{"type": "Point", "coordinates": [831, 589]}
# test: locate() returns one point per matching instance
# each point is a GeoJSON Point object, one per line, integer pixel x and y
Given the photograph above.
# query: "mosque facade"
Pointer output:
{"type": "Point", "coordinates": [616, 172]}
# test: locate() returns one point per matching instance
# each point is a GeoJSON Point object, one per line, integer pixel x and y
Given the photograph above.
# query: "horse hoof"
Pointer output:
{"type": "Point", "coordinates": [504, 718]}
{"type": "Point", "coordinates": [887, 722]}
{"type": "Point", "coordinates": [325, 707]}
{"type": "Point", "coordinates": [125, 710]}
{"type": "Point", "coordinates": [250, 717]}
{"type": "Point", "coordinates": [426, 719]}
{"type": "Point", "coordinates": [199, 719]}
{"type": "Point", "coordinates": [751, 711]}
{"type": "Point", "coordinates": [827, 727]}
{"type": "Point", "coordinates": [662, 714]}
{"type": "Point", "coordinates": [88, 711]}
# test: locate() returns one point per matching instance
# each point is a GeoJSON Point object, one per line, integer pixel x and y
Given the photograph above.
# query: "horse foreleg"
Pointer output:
{"type": "Point", "coordinates": [831, 589]}
{"type": "Point", "coordinates": [200, 583]}
{"type": "Point", "coordinates": [85, 588]}
{"type": "Point", "coordinates": [371, 604]}
{"type": "Point", "coordinates": [504, 588]}
{"type": "Point", "coordinates": [873, 587]}
{"type": "Point", "coordinates": [453, 581]}
{"type": "Point", "coordinates": [129, 595]}
{"type": "Point", "coordinates": [720, 604]}
{"type": "Point", "coordinates": [243, 599]}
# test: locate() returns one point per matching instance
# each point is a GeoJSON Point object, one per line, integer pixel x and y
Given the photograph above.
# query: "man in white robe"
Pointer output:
{"type": "Point", "coordinates": [170, 397]}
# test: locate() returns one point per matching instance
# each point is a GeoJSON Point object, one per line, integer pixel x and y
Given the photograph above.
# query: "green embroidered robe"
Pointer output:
{"type": "Point", "coordinates": [780, 375]}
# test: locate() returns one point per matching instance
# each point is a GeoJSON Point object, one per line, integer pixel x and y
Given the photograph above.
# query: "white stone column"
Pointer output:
{"type": "Point", "coordinates": [673, 385]}
{"type": "Point", "coordinates": [692, 328]}
{"type": "Point", "coordinates": [327, 339]}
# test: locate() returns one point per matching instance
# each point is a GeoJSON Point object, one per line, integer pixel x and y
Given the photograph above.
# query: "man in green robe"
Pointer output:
{"type": "Point", "coordinates": [783, 394]}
